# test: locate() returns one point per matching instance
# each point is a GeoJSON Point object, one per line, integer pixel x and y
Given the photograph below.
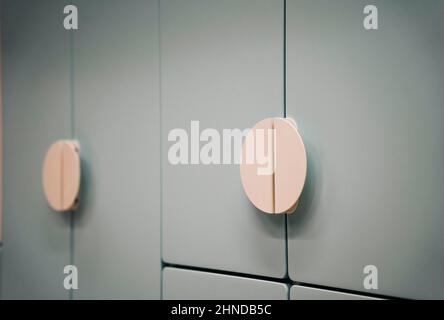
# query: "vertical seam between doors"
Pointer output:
{"type": "Point", "coordinates": [285, 115]}
{"type": "Point", "coordinates": [72, 132]}
{"type": "Point", "coordinates": [160, 144]}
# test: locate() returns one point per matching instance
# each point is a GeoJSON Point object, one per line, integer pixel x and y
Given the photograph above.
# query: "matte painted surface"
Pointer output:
{"type": "Point", "coordinates": [222, 64]}
{"type": "Point", "coordinates": [116, 117]}
{"type": "Point", "coordinates": [179, 284]}
{"type": "Point", "coordinates": [369, 106]}
{"type": "Point", "coordinates": [305, 293]}
{"type": "Point", "coordinates": [1, 274]}
{"type": "Point", "coordinates": [1, 141]}
{"type": "Point", "coordinates": [36, 112]}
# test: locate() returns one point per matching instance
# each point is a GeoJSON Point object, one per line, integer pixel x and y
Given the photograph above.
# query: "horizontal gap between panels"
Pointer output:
{"type": "Point", "coordinates": [225, 273]}
{"type": "Point", "coordinates": [347, 291]}
{"type": "Point", "coordinates": [286, 280]}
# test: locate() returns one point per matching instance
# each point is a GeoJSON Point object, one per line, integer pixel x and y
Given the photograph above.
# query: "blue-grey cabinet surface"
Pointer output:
{"type": "Point", "coordinates": [222, 64]}
{"type": "Point", "coordinates": [369, 105]}
{"type": "Point", "coordinates": [1, 274]}
{"type": "Point", "coordinates": [36, 112]}
{"type": "Point", "coordinates": [196, 285]}
{"type": "Point", "coordinates": [116, 120]}
{"type": "Point", "coordinates": [307, 293]}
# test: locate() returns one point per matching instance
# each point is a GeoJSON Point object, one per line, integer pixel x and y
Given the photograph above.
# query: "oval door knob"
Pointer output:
{"type": "Point", "coordinates": [274, 165]}
{"type": "Point", "coordinates": [61, 175]}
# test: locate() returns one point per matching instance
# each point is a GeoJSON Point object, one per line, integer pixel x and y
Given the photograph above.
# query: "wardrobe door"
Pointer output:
{"type": "Point", "coordinates": [116, 117]}
{"type": "Point", "coordinates": [306, 293]}
{"type": "Point", "coordinates": [1, 283]}
{"type": "Point", "coordinates": [222, 65]}
{"type": "Point", "coordinates": [369, 105]}
{"type": "Point", "coordinates": [181, 284]}
{"type": "Point", "coordinates": [36, 112]}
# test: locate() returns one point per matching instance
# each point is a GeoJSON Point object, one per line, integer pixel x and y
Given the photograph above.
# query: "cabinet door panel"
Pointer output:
{"type": "Point", "coordinates": [36, 112]}
{"type": "Point", "coordinates": [369, 105]}
{"type": "Point", "coordinates": [305, 293]}
{"type": "Point", "coordinates": [1, 282]}
{"type": "Point", "coordinates": [222, 65]}
{"type": "Point", "coordinates": [116, 116]}
{"type": "Point", "coordinates": [179, 284]}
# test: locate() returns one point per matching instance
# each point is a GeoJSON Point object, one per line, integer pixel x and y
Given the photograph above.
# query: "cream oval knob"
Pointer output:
{"type": "Point", "coordinates": [61, 175]}
{"type": "Point", "coordinates": [273, 167]}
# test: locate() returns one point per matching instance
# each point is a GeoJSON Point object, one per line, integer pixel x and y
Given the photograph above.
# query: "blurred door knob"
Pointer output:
{"type": "Point", "coordinates": [61, 175]}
